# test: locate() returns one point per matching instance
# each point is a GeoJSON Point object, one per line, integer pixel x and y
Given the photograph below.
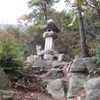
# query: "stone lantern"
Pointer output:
{"type": "Point", "coordinates": [50, 34]}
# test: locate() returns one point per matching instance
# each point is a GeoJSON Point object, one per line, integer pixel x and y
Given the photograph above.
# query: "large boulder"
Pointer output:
{"type": "Point", "coordinates": [77, 71]}
{"type": "Point", "coordinates": [82, 65]}
{"type": "Point", "coordinates": [5, 83]}
{"type": "Point", "coordinates": [43, 64]}
{"type": "Point", "coordinates": [56, 73]}
{"type": "Point", "coordinates": [92, 89]}
{"type": "Point", "coordinates": [77, 66]}
{"type": "Point", "coordinates": [90, 64]}
{"type": "Point", "coordinates": [76, 84]}
{"type": "Point", "coordinates": [56, 88]}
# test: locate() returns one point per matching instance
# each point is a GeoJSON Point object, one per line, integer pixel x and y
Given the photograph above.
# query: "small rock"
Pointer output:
{"type": "Point", "coordinates": [7, 97]}
{"type": "Point", "coordinates": [8, 92]}
{"type": "Point", "coordinates": [5, 82]}
{"type": "Point", "coordinates": [56, 73]}
{"type": "Point", "coordinates": [56, 64]}
{"type": "Point", "coordinates": [43, 64]}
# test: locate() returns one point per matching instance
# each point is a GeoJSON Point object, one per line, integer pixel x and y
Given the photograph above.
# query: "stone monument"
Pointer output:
{"type": "Point", "coordinates": [50, 34]}
{"type": "Point", "coordinates": [38, 49]}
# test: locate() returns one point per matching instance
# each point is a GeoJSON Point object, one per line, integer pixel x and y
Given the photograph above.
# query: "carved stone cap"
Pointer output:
{"type": "Point", "coordinates": [50, 25]}
{"type": "Point", "coordinates": [50, 34]}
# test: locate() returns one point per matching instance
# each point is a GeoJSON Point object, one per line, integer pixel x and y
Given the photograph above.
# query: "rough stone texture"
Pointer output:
{"type": "Point", "coordinates": [31, 70]}
{"type": "Point", "coordinates": [50, 25]}
{"type": "Point", "coordinates": [56, 64]}
{"type": "Point", "coordinates": [92, 88]}
{"type": "Point", "coordinates": [6, 94]}
{"type": "Point", "coordinates": [38, 49]}
{"type": "Point", "coordinates": [50, 33]}
{"type": "Point", "coordinates": [36, 57]}
{"type": "Point", "coordinates": [77, 66]}
{"type": "Point", "coordinates": [48, 57]}
{"type": "Point", "coordinates": [43, 64]}
{"type": "Point", "coordinates": [56, 88]}
{"type": "Point", "coordinates": [63, 57]}
{"type": "Point", "coordinates": [90, 64]}
{"type": "Point", "coordinates": [83, 65]}
{"type": "Point", "coordinates": [76, 71]}
{"type": "Point", "coordinates": [68, 58]}
{"type": "Point", "coordinates": [56, 73]}
{"type": "Point", "coordinates": [30, 58]}
{"type": "Point", "coordinates": [76, 84]}
{"type": "Point", "coordinates": [69, 99]}
{"type": "Point", "coordinates": [5, 83]}
{"type": "Point", "coordinates": [51, 52]}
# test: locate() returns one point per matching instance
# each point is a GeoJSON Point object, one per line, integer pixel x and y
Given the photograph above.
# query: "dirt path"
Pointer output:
{"type": "Point", "coordinates": [39, 94]}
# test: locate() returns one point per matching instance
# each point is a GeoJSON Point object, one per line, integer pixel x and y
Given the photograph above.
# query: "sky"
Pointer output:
{"type": "Point", "coordinates": [10, 10]}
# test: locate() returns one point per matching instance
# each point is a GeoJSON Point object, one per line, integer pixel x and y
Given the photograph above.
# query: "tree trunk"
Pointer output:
{"type": "Point", "coordinates": [82, 34]}
{"type": "Point", "coordinates": [98, 14]}
{"type": "Point", "coordinates": [45, 11]}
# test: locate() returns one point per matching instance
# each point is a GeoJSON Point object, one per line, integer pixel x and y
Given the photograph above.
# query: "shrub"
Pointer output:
{"type": "Point", "coordinates": [97, 53]}
{"type": "Point", "coordinates": [10, 54]}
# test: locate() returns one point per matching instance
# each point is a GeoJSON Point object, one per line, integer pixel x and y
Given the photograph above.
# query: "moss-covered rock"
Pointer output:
{"type": "Point", "coordinates": [5, 83]}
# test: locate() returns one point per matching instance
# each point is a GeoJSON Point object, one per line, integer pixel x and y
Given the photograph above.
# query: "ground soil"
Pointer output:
{"type": "Point", "coordinates": [36, 92]}
{"type": "Point", "coordinates": [28, 91]}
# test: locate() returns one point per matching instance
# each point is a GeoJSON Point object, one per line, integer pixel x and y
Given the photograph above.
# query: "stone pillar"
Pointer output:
{"type": "Point", "coordinates": [49, 37]}
{"type": "Point", "coordinates": [49, 43]}
{"type": "Point", "coordinates": [50, 34]}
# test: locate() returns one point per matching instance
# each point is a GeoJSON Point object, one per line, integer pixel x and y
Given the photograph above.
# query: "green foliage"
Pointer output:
{"type": "Point", "coordinates": [91, 25]}
{"type": "Point", "coordinates": [80, 2]}
{"type": "Point", "coordinates": [97, 53]}
{"type": "Point", "coordinates": [34, 2]}
{"type": "Point", "coordinates": [41, 9]}
{"type": "Point", "coordinates": [13, 30]}
{"type": "Point", "coordinates": [94, 73]}
{"type": "Point", "coordinates": [44, 85]}
{"type": "Point", "coordinates": [10, 56]}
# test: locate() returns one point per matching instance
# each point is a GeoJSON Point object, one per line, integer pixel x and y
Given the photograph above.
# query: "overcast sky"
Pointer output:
{"type": "Point", "coordinates": [10, 10]}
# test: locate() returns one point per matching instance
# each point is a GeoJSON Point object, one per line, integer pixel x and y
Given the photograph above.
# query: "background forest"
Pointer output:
{"type": "Point", "coordinates": [20, 41]}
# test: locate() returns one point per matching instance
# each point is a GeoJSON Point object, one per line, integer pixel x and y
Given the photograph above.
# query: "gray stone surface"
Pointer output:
{"type": "Point", "coordinates": [5, 83]}
{"type": "Point", "coordinates": [77, 70]}
{"type": "Point", "coordinates": [78, 66]}
{"type": "Point", "coordinates": [31, 70]}
{"type": "Point", "coordinates": [56, 64]}
{"type": "Point", "coordinates": [50, 25]}
{"type": "Point", "coordinates": [38, 49]}
{"type": "Point", "coordinates": [76, 84]}
{"type": "Point", "coordinates": [51, 52]}
{"type": "Point", "coordinates": [30, 58]}
{"type": "Point", "coordinates": [83, 65]}
{"type": "Point", "coordinates": [92, 88]}
{"type": "Point", "coordinates": [56, 88]}
{"type": "Point", "coordinates": [56, 73]}
{"type": "Point", "coordinates": [63, 57]}
{"type": "Point", "coordinates": [90, 64]}
{"type": "Point", "coordinates": [43, 64]}
{"type": "Point", "coordinates": [48, 57]}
